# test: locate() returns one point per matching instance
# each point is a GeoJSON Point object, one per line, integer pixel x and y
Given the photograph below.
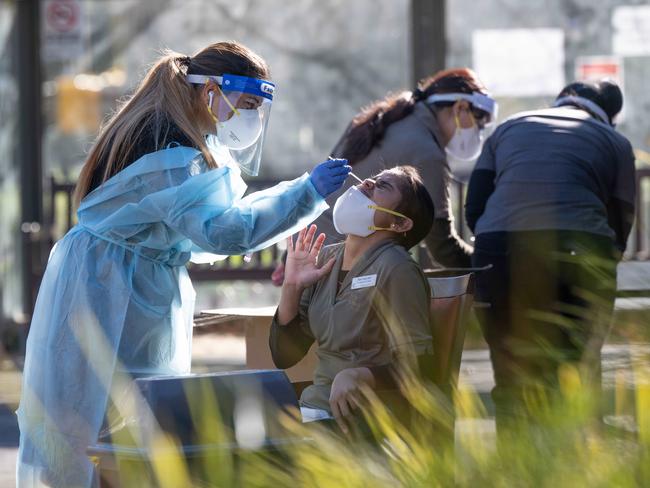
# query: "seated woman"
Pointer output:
{"type": "Point", "coordinates": [364, 301]}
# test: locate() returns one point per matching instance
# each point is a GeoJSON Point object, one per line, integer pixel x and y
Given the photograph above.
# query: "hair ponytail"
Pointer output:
{"type": "Point", "coordinates": [369, 126]}
{"type": "Point", "coordinates": [163, 97]}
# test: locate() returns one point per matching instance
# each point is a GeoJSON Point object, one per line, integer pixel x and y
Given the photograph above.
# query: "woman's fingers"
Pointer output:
{"type": "Point", "coordinates": [301, 240]}
{"type": "Point", "coordinates": [336, 162]}
{"type": "Point", "coordinates": [354, 402]}
{"type": "Point", "coordinates": [336, 412]}
{"type": "Point", "coordinates": [345, 415]}
{"type": "Point", "coordinates": [327, 268]}
{"type": "Point", "coordinates": [318, 245]}
{"type": "Point", "coordinates": [309, 237]}
{"type": "Point", "coordinates": [344, 408]}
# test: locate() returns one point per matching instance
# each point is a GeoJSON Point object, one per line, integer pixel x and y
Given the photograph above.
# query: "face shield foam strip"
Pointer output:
{"type": "Point", "coordinates": [478, 100]}
{"type": "Point", "coordinates": [253, 86]}
{"type": "Point", "coordinates": [584, 103]}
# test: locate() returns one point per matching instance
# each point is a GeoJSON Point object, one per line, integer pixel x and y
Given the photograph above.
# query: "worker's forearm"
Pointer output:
{"type": "Point", "coordinates": [289, 303]}
{"type": "Point", "coordinates": [446, 247]}
{"type": "Point", "coordinates": [481, 186]}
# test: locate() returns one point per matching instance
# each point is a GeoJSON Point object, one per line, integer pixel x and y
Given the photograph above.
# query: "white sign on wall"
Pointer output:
{"type": "Point", "coordinates": [63, 23]}
{"type": "Point", "coordinates": [520, 62]}
{"type": "Point", "coordinates": [631, 25]}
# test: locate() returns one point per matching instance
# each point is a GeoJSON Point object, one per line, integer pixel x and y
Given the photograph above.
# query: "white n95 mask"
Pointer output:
{"type": "Point", "coordinates": [241, 130]}
{"type": "Point", "coordinates": [354, 213]}
{"type": "Point", "coordinates": [466, 144]}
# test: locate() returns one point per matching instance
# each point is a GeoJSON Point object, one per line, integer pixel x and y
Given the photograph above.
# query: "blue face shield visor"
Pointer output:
{"type": "Point", "coordinates": [240, 108]}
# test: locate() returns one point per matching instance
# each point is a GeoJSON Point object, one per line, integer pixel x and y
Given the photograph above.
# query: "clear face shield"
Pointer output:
{"type": "Point", "coordinates": [484, 108]}
{"type": "Point", "coordinates": [466, 144]}
{"type": "Point", "coordinates": [240, 107]}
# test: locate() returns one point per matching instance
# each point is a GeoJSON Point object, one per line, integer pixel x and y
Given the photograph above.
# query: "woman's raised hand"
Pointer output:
{"type": "Point", "coordinates": [301, 269]}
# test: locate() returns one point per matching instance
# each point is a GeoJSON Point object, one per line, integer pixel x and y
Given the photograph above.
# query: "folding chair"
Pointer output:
{"type": "Point", "coordinates": [452, 295]}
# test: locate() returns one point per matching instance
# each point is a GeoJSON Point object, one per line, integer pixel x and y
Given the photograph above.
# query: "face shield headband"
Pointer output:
{"type": "Point", "coordinates": [586, 104]}
{"type": "Point", "coordinates": [241, 120]}
{"type": "Point", "coordinates": [478, 100]}
{"type": "Point", "coordinates": [243, 84]}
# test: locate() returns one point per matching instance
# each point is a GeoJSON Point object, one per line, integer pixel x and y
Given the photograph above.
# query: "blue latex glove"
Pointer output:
{"type": "Point", "coordinates": [329, 176]}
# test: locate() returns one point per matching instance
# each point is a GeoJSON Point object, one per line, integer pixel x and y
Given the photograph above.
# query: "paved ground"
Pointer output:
{"type": "Point", "coordinates": [7, 466]}
{"type": "Point", "coordinates": [9, 394]}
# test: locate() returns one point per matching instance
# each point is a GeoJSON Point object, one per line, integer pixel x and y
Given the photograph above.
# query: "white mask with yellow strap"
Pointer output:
{"type": "Point", "coordinates": [354, 213]}
{"type": "Point", "coordinates": [466, 143]}
{"type": "Point", "coordinates": [242, 118]}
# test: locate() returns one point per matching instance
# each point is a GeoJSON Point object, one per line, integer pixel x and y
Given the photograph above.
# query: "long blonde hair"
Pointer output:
{"type": "Point", "coordinates": [162, 97]}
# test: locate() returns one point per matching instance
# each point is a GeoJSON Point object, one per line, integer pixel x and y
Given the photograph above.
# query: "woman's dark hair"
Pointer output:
{"type": "Point", "coordinates": [605, 93]}
{"type": "Point", "coordinates": [416, 204]}
{"type": "Point", "coordinates": [368, 127]}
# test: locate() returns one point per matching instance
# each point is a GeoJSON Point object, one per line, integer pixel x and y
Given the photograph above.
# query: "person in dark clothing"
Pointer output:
{"type": "Point", "coordinates": [551, 202]}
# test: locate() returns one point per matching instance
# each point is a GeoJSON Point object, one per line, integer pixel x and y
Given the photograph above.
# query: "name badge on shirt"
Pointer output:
{"type": "Point", "coordinates": [364, 281]}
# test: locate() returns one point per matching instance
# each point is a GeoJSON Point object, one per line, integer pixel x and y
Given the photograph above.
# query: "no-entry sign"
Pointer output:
{"type": "Point", "coordinates": [62, 15]}
{"type": "Point", "coordinates": [63, 23]}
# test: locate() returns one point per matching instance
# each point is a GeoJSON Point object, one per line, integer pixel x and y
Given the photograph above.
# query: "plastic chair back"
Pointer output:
{"type": "Point", "coordinates": [451, 303]}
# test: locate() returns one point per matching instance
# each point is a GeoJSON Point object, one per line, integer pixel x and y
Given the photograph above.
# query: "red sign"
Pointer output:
{"type": "Point", "coordinates": [589, 71]}
{"type": "Point", "coordinates": [62, 16]}
{"type": "Point", "coordinates": [594, 68]}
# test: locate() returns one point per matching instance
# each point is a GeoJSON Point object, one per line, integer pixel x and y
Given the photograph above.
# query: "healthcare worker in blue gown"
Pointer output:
{"type": "Point", "coordinates": [161, 185]}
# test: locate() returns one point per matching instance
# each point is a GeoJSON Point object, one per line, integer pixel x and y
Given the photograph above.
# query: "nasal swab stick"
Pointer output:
{"type": "Point", "coordinates": [355, 177]}
{"type": "Point", "coordinates": [351, 173]}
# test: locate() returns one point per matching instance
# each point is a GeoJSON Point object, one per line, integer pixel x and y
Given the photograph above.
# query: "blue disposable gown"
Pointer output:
{"type": "Point", "coordinates": [116, 294]}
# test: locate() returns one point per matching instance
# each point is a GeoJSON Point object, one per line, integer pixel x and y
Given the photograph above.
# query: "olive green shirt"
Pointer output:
{"type": "Point", "coordinates": [377, 316]}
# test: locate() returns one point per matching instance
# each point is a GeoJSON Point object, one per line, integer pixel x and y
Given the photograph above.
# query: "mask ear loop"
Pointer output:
{"type": "Point", "coordinates": [230, 105]}
{"type": "Point", "coordinates": [457, 119]}
{"type": "Point", "coordinates": [389, 211]}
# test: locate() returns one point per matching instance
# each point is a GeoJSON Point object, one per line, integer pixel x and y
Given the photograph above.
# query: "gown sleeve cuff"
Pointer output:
{"type": "Point", "coordinates": [313, 192]}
